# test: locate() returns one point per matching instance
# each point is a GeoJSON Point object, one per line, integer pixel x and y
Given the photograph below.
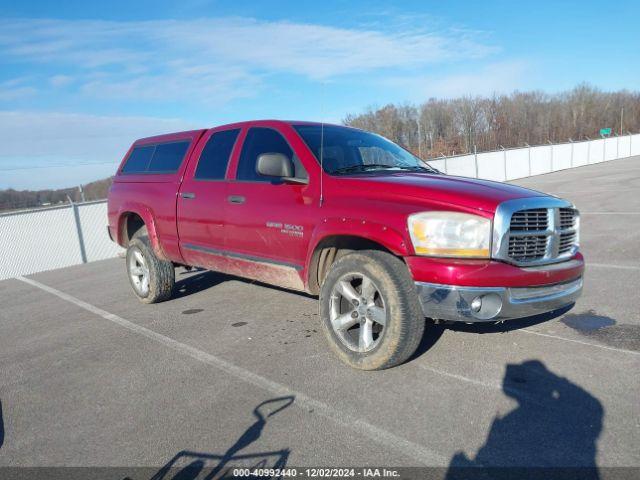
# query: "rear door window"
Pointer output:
{"type": "Point", "coordinates": [215, 155]}
{"type": "Point", "coordinates": [168, 157]}
{"type": "Point", "coordinates": [139, 159]}
{"type": "Point", "coordinates": [161, 158]}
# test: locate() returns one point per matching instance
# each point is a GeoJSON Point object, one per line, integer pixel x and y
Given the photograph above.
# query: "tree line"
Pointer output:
{"type": "Point", "coordinates": [11, 199]}
{"type": "Point", "coordinates": [453, 126]}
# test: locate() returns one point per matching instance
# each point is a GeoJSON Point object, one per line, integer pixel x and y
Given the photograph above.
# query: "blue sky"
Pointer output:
{"type": "Point", "coordinates": [79, 81]}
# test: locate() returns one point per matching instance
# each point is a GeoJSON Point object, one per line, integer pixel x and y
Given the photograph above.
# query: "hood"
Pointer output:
{"type": "Point", "coordinates": [469, 193]}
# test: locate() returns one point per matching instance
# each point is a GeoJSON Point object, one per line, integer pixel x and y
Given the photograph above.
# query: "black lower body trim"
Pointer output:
{"type": "Point", "coordinates": [241, 256]}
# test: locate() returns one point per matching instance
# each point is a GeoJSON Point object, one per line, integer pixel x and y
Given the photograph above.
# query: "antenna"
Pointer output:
{"type": "Point", "coordinates": [321, 143]}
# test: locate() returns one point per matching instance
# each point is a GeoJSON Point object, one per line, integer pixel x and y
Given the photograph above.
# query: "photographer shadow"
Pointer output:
{"type": "Point", "coordinates": [552, 433]}
{"type": "Point", "coordinates": [189, 465]}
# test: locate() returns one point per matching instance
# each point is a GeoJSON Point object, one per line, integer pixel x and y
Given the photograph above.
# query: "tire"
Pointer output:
{"type": "Point", "coordinates": [391, 317]}
{"type": "Point", "coordinates": [142, 262]}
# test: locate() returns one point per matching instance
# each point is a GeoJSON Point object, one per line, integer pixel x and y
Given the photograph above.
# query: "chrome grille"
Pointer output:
{"type": "Point", "coordinates": [535, 231]}
{"type": "Point", "coordinates": [528, 220]}
{"type": "Point", "coordinates": [567, 218]}
{"type": "Point", "coordinates": [527, 248]}
{"type": "Point", "coordinates": [567, 241]}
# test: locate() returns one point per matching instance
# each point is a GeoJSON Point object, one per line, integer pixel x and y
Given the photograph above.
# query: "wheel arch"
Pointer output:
{"type": "Point", "coordinates": [133, 219]}
{"type": "Point", "coordinates": [331, 247]}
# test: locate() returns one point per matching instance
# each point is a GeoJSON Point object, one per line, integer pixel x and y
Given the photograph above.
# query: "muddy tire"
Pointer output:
{"type": "Point", "coordinates": [151, 279]}
{"type": "Point", "coordinates": [370, 311]}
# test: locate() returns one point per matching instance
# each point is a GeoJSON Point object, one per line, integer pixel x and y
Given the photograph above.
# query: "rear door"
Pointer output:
{"type": "Point", "coordinates": [202, 198]}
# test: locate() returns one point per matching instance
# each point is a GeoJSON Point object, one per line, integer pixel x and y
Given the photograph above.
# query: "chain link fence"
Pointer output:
{"type": "Point", "coordinates": [35, 240]}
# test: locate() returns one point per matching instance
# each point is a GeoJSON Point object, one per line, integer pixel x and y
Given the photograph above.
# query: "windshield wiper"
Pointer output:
{"type": "Point", "coordinates": [362, 168]}
{"type": "Point", "coordinates": [417, 168]}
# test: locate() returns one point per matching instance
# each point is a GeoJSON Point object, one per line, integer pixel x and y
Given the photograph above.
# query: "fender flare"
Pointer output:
{"type": "Point", "coordinates": [381, 234]}
{"type": "Point", "coordinates": [148, 218]}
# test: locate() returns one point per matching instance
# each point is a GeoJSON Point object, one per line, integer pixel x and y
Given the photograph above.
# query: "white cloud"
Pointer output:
{"type": "Point", "coordinates": [16, 93]}
{"type": "Point", "coordinates": [222, 58]}
{"type": "Point", "coordinates": [60, 80]}
{"type": "Point", "coordinates": [70, 137]}
{"type": "Point", "coordinates": [65, 143]}
{"type": "Point", "coordinates": [15, 89]}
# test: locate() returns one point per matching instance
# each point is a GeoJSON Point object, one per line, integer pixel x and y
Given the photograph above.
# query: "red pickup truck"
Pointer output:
{"type": "Point", "coordinates": [383, 239]}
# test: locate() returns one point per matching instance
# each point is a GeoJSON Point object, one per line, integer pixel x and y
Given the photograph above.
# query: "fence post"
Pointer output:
{"type": "Point", "coordinates": [475, 158]}
{"type": "Point", "coordinates": [504, 161]}
{"type": "Point", "coordinates": [529, 157]}
{"type": "Point", "coordinates": [446, 169]}
{"type": "Point", "coordinates": [76, 216]}
{"type": "Point", "coordinates": [588, 150]}
{"type": "Point", "coordinates": [551, 155]}
{"type": "Point", "coordinates": [571, 161]}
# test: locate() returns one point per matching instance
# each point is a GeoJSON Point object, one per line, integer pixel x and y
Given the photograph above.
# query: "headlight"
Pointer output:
{"type": "Point", "coordinates": [450, 234]}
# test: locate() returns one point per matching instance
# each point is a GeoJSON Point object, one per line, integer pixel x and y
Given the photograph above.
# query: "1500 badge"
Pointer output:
{"type": "Point", "coordinates": [287, 228]}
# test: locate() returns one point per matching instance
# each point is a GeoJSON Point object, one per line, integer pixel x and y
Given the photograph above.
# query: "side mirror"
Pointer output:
{"type": "Point", "coordinates": [274, 165]}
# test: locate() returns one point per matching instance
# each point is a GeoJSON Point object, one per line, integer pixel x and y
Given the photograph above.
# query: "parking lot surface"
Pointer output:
{"type": "Point", "coordinates": [235, 372]}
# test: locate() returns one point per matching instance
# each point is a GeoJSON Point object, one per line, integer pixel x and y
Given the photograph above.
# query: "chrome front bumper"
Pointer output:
{"type": "Point", "coordinates": [449, 302]}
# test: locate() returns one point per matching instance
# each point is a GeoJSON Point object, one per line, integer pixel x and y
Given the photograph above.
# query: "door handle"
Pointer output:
{"type": "Point", "coordinates": [188, 195]}
{"type": "Point", "coordinates": [237, 199]}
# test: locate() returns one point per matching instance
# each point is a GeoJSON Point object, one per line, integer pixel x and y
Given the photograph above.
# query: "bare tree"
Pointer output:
{"type": "Point", "coordinates": [440, 126]}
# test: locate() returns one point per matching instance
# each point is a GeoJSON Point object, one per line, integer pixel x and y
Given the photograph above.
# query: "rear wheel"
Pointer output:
{"type": "Point", "coordinates": [370, 310]}
{"type": "Point", "coordinates": [151, 278]}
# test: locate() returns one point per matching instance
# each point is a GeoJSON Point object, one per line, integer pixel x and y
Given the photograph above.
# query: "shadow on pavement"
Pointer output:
{"type": "Point", "coordinates": [198, 281]}
{"type": "Point", "coordinates": [554, 428]}
{"type": "Point", "coordinates": [432, 334]}
{"type": "Point", "coordinates": [508, 325]}
{"type": "Point", "coordinates": [201, 279]}
{"type": "Point", "coordinates": [189, 465]}
{"type": "Point", "coordinates": [434, 331]}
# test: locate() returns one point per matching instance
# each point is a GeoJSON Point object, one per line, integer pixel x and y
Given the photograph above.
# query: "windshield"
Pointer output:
{"type": "Point", "coordinates": [347, 150]}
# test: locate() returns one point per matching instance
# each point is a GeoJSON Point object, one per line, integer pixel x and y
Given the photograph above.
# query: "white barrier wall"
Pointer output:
{"type": "Point", "coordinates": [38, 240]}
{"type": "Point", "coordinates": [561, 157]}
{"type": "Point", "coordinates": [610, 149]}
{"type": "Point", "coordinates": [462, 166]}
{"type": "Point", "coordinates": [491, 166]}
{"type": "Point", "coordinates": [580, 154]}
{"type": "Point", "coordinates": [515, 163]}
{"type": "Point", "coordinates": [634, 141]}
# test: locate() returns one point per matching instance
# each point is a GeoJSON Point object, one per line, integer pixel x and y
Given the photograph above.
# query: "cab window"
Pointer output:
{"type": "Point", "coordinates": [265, 140]}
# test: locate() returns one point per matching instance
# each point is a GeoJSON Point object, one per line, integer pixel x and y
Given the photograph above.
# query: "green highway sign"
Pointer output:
{"type": "Point", "coordinates": [605, 132]}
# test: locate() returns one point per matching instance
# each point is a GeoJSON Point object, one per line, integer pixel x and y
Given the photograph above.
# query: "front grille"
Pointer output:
{"type": "Point", "coordinates": [524, 249]}
{"type": "Point", "coordinates": [530, 220]}
{"type": "Point", "coordinates": [567, 218]}
{"type": "Point", "coordinates": [540, 235]}
{"type": "Point", "coordinates": [567, 240]}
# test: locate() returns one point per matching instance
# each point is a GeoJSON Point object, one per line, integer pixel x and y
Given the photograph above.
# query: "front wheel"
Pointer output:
{"type": "Point", "coordinates": [370, 310]}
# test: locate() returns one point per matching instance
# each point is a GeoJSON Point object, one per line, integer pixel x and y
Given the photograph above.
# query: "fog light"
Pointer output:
{"type": "Point", "coordinates": [476, 304]}
{"type": "Point", "coordinates": [486, 307]}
